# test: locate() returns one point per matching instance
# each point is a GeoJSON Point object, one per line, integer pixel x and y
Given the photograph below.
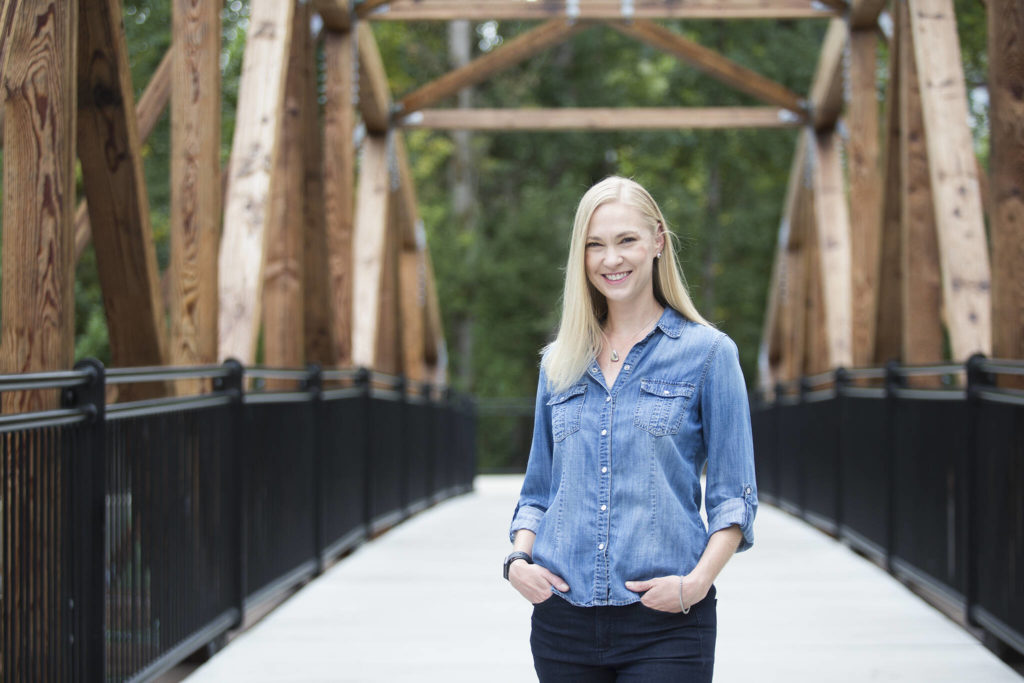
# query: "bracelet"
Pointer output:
{"type": "Point", "coordinates": [683, 608]}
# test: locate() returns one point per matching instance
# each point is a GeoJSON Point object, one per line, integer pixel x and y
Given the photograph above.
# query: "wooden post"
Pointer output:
{"type": "Point", "coordinates": [253, 158]}
{"type": "Point", "coordinates": [195, 183]}
{"type": "Point", "coordinates": [112, 173]}
{"type": "Point", "coordinates": [283, 308]}
{"type": "Point", "coordinates": [339, 187]}
{"type": "Point", "coordinates": [794, 310]}
{"type": "Point", "coordinates": [39, 93]}
{"type": "Point", "coordinates": [922, 289]}
{"type": "Point", "coordinates": [369, 249]}
{"type": "Point", "coordinates": [1006, 163]}
{"type": "Point", "coordinates": [865, 192]}
{"type": "Point", "coordinates": [374, 94]}
{"type": "Point", "coordinates": [389, 329]}
{"type": "Point", "coordinates": [815, 329]}
{"type": "Point", "coordinates": [966, 279]}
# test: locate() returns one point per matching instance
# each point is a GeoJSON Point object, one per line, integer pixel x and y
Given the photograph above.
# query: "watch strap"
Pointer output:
{"type": "Point", "coordinates": [512, 557]}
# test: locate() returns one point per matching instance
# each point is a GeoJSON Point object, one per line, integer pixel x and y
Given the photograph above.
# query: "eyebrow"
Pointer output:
{"type": "Point", "coordinates": [617, 236]}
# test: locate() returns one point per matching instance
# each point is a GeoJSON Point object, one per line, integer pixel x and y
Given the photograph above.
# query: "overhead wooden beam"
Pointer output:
{"type": "Point", "coordinates": [367, 7]}
{"type": "Point", "coordinates": [39, 91]}
{"type": "Point", "coordinates": [833, 243]}
{"type": "Point", "coordinates": [712, 63]}
{"type": "Point", "coordinates": [448, 10]}
{"type": "Point", "coordinates": [922, 287]}
{"type": "Point", "coordinates": [966, 278]}
{"type": "Point", "coordinates": [514, 51]}
{"type": "Point", "coordinates": [195, 182]}
{"type": "Point", "coordinates": [253, 157]}
{"type": "Point", "coordinates": [374, 92]}
{"type": "Point", "coordinates": [865, 190]}
{"type": "Point", "coordinates": [147, 113]}
{"type": "Point", "coordinates": [598, 118]}
{"type": "Point", "coordinates": [283, 280]}
{"type": "Point", "coordinates": [827, 87]}
{"type": "Point", "coordinates": [369, 248]}
{"type": "Point", "coordinates": [113, 175]}
{"type": "Point", "coordinates": [1006, 161]}
{"type": "Point", "coordinates": [337, 14]}
{"type": "Point", "coordinates": [339, 187]}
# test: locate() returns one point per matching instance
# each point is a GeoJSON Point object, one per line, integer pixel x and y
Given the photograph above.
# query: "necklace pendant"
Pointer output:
{"type": "Point", "coordinates": [615, 356]}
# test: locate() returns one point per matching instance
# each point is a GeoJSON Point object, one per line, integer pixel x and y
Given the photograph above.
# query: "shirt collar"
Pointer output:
{"type": "Point", "coordinates": [671, 322]}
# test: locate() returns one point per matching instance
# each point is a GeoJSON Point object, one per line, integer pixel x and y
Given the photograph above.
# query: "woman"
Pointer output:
{"type": "Point", "coordinates": [636, 394]}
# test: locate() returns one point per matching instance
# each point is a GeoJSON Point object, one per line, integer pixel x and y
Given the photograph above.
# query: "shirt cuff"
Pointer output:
{"type": "Point", "coordinates": [733, 511]}
{"type": "Point", "coordinates": [526, 517]}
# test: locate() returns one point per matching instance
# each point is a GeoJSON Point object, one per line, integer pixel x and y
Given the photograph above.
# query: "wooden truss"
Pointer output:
{"type": "Point", "coordinates": [324, 266]}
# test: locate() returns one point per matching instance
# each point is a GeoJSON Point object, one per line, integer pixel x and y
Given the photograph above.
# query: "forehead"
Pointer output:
{"type": "Point", "coordinates": [615, 217]}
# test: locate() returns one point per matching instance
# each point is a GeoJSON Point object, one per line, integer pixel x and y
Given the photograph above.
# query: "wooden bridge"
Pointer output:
{"type": "Point", "coordinates": [287, 256]}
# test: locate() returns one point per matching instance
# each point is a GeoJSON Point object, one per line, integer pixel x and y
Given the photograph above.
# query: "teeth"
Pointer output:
{"type": "Point", "coordinates": [615, 277]}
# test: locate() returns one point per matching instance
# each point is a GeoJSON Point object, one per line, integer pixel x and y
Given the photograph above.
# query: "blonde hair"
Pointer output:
{"type": "Point", "coordinates": [583, 307]}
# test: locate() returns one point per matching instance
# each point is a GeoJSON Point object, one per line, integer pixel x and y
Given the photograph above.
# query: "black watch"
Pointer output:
{"type": "Point", "coordinates": [512, 557]}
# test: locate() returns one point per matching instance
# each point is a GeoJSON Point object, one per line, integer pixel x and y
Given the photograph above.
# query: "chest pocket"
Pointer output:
{"type": "Point", "coordinates": [566, 409]}
{"type": "Point", "coordinates": [662, 406]}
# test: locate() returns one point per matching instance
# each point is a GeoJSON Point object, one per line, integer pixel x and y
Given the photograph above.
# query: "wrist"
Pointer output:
{"type": "Point", "coordinates": [513, 557]}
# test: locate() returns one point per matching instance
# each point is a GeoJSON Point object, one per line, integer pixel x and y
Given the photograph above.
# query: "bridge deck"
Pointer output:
{"type": "Point", "coordinates": [426, 602]}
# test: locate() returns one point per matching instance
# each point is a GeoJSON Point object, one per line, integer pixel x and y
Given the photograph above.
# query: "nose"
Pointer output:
{"type": "Point", "coordinates": [612, 257]}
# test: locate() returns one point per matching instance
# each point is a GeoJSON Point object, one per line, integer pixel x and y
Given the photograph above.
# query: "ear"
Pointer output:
{"type": "Point", "coordinates": [659, 237]}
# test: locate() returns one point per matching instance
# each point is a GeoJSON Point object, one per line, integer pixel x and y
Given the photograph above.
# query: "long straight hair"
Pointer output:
{"type": "Point", "coordinates": [583, 307]}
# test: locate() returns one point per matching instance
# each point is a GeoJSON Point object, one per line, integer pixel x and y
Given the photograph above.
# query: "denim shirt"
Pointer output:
{"type": "Point", "coordinates": [613, 484]}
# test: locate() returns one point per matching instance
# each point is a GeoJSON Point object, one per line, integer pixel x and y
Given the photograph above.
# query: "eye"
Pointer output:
{"type": "Point", "coordinates": [627, 240]}
{"type": "Point", "coordinates": [593, 244]}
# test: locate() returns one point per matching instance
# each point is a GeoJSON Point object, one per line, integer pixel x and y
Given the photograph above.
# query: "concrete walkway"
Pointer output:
{"type": "Point", "coordinates": [426, 602]}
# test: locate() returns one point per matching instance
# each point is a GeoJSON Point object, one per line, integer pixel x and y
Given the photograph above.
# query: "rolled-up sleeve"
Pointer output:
{"type": "Point", "coordinates": [535, 494]}
{"type": "Point", "coordinates": [731, 494]}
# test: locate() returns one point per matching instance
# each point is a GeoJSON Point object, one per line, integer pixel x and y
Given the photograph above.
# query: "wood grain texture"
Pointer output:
{"type": "Point", "coordinates": [864, 13]}
{"type": "Point", "coordinates": [862, 160]}
{"type": "Point", "coordinates": [406, 206]}
{"type": "Point", "coordinates": [8, 11]}
{"type": "Point", "coordinates": [922, 282]}
{"type": "Point", "coordinates": [712, 63]}
{"type": "Point", "coordinates": [602, 118]}
{"type": "Point", "coordinates": [514, 51]}
{"type": "Point", "coordinates": [339, 187]}
{"type": "Point", "coordinates": [337, 14]}
{"type": "Point", "coordinates": [283, 277]}
{"type": "Point", "coordinates": [39, 133]}
{"type": "Point", "coordinates": [966, 277]}
{"type": "Point", "coordinates": [253, 157]}
{"type": "Point", "coordinates": [827, 87]}
{"type": "Point", "coordinates": [447, 10]}
{"type": "Point", "coordinates": [815, 321]}
{"type": "Point", "coordinates": [389, 329]}
{"type": "Point", "coordinates": [147, 113]}
{"type": "Point", "coordinates": [369, 249]}
{"type": "Point", "coordinates": [833, 245]}
{"type": "Point", "coordinates": [413, 310]}
{"type": "Point", "coordinates": [374, 91]}
{"type": "Point", "coordinates": [1006, 161]}
{"type": "Point", "coordinates": [195, 183]}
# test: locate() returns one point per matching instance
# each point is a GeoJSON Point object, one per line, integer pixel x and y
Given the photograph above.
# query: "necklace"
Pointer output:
{"type": "Point", "coordinates": [615, 354]}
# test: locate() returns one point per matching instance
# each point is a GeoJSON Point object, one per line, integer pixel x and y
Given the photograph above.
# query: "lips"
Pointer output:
{"type": "Point", "coordinates": [616, 277]}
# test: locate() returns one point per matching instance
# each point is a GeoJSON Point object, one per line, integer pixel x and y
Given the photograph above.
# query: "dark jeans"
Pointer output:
{"type": "Point", "coordinates": [629, 643]}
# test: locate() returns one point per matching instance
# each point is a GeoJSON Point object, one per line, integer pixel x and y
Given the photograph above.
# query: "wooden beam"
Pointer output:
{"type": "Point", "coordinates": [195, 182]}
{"type": "Point", "coordinates": [317, 301]}
{"type": "Point", "coordinates": [602, 118]}
{"type": "Point", "coordinates": [712, 63]}
{"type": "Point", "coordinates": [253, 158]}
{"type": "Point", "coordinates": [413, 308]}
{"type": "Point", "coordinates": [283, 280]}
{"type": "Point", "coordinates": [815, 321]}
{"type": "Point", "coordinates": [389, 328]}
{"type": "Point", "coordinates": [113, 175]}
{"type": "Point", "coordinates": [366, 7]}
{"type": "Point", "coordinates": [827, 88]}
{"type": "Point", "coordinates": [39, 92]}
{"type": "Point", "coordinates": [833, 244]}
{"type": "Point", "coordinates": [374, 92]}
{"type": "Point", "coordinates": [448, 10]}
{"type": "Point", "coordinates": [406, 205]}
{"type": "Point", "coordinates": [147, 113]}
{"type": "Point", "coordinates": [369, 249]}
{"type": "Point", "coordinates": [889, 309]}
{"type": "Point", "coordinates": [339, 187]}
{"type": "Point", "coordinates": [865, 191]}
{"type": "Point", "coordinates": [922, 285]}
{"type": "Point", "coordinates": [966, 279]}
{"type": "Point", "coordinates": [337, 14]}
{"type": "Point", "coordinates": [8, 12]}
{"type": "Point", "coordinates": [864, 13]}
{"type": "Point", "coordinates": [1006, 117]}
{"type": "Point", "coordinates": [435, 352]}
{"type": "Point", "coordinates": [514, 51]}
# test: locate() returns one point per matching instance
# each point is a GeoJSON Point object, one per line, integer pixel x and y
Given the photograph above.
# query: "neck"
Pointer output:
{"type": "Point", "coordinates": [624, 319]}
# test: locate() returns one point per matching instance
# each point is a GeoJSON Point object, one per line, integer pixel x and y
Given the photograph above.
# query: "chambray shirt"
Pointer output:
{"type": "Point", "coordinates": [613, 484]}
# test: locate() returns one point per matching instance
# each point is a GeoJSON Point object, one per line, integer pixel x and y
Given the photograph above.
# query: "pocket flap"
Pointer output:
{"type": "Point", "coordinates": [666, 389]}
{"type": "Point", "coordinates": [574, 390]}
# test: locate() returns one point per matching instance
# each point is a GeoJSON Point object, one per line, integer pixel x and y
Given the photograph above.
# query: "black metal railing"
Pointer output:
{"type": "Point", "coordinates": [918, 467]}
{"type": "Point", "coordinates": [132, 534]}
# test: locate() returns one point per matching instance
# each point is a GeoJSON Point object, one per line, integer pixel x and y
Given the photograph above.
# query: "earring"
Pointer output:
{"type": "Point", "coordinates": [659, 255]}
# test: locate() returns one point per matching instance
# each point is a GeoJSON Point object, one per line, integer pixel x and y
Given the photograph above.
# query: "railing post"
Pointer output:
{"type": "Point", "coordinates": [429, 470]}
{"type": "Point", "coordinates": [893, 381]}
{"type": "Point", "coordinates": [401, 385]}
{"type": "Point", "coordinates": [86, 608]}
{"type": "Point", "coordinates": [232, 386]}
{"type": "Point", "coordinates": [777, 457]}
{"type": "Point", "coordinates": [363, 382]}
{"type": "Point", "coordinates": [842, 382]}
{"type": "Point", "coordinates": [977, 379]}
{"type": "Point", "coordinates": [314, 384]}
{"type": "Point", "coordinates": [801, 501]}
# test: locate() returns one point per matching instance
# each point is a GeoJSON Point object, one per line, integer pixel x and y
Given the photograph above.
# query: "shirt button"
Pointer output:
{"type": "Point", "coordinates": [603, 508]}
{"type": "Point", "coordinates": [607, 398]}
{"type": "Point", "coordinates": [593, 369]}
{"type": "Point", "coordinates": [748, 491]}
{"type": "Point", "coordinates": [625, 367]}
{"type": "Point", "coordinates": [604, 470]}
{"type": "Point", "coordinates": [666, 392]}
{"type": "Point", "coordinates": [605, 432]}
{"type": "Point", "coordinates": [600, 546]}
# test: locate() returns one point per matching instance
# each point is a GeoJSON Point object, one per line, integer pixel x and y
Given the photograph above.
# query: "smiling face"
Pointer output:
{"type": "Point", "coordinates": [620, 253]}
